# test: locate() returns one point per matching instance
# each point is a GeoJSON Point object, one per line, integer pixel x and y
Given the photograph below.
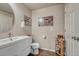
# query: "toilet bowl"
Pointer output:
{"type": "Point", "coordinates": [35, 48]}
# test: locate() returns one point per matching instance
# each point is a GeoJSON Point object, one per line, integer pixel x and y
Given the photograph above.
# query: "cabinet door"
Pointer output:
{"type": "Point", "coordinates": [8, 51]}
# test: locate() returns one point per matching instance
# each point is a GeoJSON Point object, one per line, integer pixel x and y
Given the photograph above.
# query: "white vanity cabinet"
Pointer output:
{"type": "Point", "coordinates": [20, 47]}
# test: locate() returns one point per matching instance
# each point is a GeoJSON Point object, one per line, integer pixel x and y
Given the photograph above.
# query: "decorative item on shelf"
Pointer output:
{"type": "Point", "coordinates": [59, 48]}
{"type": "Point", "coordinates": [45, 21]}
{"type": "Point", "coordinates": [26, 22]}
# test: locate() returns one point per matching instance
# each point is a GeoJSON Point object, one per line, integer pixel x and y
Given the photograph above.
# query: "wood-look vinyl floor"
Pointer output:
{"type": "Point", "coordinates": [46, 53]}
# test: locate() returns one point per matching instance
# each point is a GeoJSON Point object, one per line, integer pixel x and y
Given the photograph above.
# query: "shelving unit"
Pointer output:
{"type": "Point", "coordinates": [59, 48]}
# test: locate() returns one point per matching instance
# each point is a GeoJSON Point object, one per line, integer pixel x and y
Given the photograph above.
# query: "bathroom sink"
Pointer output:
{"type": "Point", "coordinates": [12, 39]}
{"type": "Point", "coordinates": [9, 41]}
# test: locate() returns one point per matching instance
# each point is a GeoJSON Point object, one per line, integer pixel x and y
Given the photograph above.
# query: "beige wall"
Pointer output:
{"type": "Point", "coordinates": [57, 11]}
{"type": "Point", "coordinates": [19, 11]}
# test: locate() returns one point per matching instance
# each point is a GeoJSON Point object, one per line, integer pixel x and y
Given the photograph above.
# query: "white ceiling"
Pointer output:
{"type": "Point", "coordinates": [31, 6]}
{"type": "Point", "coordinates": [34, 6]}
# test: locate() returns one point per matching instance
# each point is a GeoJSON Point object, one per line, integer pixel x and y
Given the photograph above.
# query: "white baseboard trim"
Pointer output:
{"type": "Point", "coordinates": [48, 49]}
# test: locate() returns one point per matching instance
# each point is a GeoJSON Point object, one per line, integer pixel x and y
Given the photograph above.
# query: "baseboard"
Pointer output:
{"type": "Point", "coordinates": [48, 49]}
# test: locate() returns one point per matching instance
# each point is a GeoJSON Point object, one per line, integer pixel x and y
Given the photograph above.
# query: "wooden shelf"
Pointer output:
{"type": "Point", "coordinates": [60, 45]}
{"type": "Point", "coordinates": [58, 53]}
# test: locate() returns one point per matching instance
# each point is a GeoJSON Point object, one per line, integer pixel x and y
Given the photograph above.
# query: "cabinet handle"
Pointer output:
{"type": "Point", "coordinates": [75, 38]}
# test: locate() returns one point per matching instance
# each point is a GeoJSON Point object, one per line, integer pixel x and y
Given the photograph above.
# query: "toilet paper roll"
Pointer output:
{"type": "Point", "coordinates": [44, 37]}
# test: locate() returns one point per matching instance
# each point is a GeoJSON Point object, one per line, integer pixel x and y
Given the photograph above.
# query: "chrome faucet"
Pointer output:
{"type": "Point", "coordinates": [10, 35]}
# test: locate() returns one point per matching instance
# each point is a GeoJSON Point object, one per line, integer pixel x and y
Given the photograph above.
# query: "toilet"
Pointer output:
{"type": "Point", "coordinates": [35, 48]}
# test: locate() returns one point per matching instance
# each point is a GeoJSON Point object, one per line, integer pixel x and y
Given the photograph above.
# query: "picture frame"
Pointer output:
{"type": "Point", "coordinates": [45, 21]}
{"type": "Point", "coordinates": [27, 20]}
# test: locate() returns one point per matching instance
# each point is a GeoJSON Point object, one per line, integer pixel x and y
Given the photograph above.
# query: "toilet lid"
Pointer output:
{"type": "Point", "coordinates": [35, 45]}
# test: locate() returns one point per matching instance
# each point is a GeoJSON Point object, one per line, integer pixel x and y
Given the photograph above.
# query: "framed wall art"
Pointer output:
{"type": "Point", "coordinates": [45, 21]}
{"type": "Point", "coordinates": [27, 20]}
